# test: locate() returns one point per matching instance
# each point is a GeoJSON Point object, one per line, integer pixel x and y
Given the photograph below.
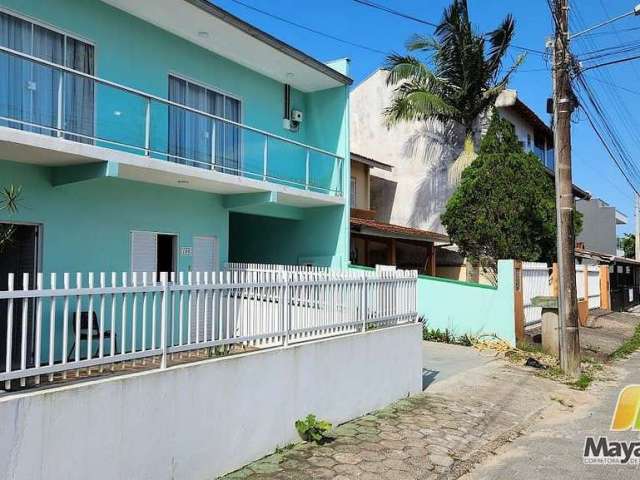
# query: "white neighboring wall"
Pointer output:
{"type": "Point", "coordinates": [416, 191]}
{"type": "Point", "coordinates": [204, 419]}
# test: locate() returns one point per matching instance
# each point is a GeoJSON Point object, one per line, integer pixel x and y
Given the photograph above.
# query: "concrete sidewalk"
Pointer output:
{"type": "Point", "coordinates": [473, 404]}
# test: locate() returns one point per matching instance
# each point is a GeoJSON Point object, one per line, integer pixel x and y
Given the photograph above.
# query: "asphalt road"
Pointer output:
{"type": "Point", "coordinates": [554, 451]}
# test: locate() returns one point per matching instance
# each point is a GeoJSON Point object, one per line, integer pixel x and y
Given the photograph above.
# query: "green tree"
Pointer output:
{"type": "Point", "coordinates": [462, 77]}
{"type": "Point", "coordinates": [504, 206]}
{"type": "Point", "coordinates": [628, 244]}
{"type": "Point", "coordinates": [9, 197]}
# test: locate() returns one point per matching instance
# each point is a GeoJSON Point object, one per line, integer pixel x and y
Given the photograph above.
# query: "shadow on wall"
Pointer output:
{"type": "Point", "coordinates": [436, 146]}
{"type": "Point", "coordinates": [383, 194]}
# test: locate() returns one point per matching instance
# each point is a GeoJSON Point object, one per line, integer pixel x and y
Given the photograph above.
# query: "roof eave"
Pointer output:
{"type": "Point", "coordinates": [270, 40]}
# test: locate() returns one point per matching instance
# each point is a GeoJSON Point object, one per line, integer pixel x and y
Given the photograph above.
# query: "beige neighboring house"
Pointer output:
{"type": "Point", "coordinates": [415, 191]}
{"type": "Point", "coordinates": [374, 242]}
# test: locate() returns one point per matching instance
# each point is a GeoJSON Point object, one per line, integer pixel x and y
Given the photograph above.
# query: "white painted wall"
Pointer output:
{"type": "Point", "coordinates": [200, 420]}
{"type": "Point", "coordinates": [416, 192]}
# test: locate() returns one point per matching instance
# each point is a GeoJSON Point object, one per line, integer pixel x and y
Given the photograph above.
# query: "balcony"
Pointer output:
{"type": "Point", "coordinates": [57, 116]}
{"type": "Point", "coordinates": [546, 156]}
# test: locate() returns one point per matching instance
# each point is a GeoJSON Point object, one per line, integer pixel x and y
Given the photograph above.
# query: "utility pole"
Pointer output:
{"type": "Point", "coordinates": [562, 108]}
{"type": "Point", "coordinates": [637, 212]}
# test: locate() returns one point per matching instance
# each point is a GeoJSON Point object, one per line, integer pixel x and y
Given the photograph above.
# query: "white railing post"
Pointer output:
{"type": "Point", "coordinates": [9, 355]}
{"type": "Point", "coordinates": [306, 170]}
{"type": "Point", "coordinates": [163, 318]}
{"type": "Point", "coordinates": [363, 303]}
{"type": "Point", "coordinates": [23, 333]}
{"type": "Point", "coordinates": [147, 127]}
{"type": "Point", "coordinates": [286, 311]}
{"type": "Point", "coordinates": [265, 158]}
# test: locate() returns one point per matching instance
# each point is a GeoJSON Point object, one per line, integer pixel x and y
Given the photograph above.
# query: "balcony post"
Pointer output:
{"type": "Point", "coordinates": [265, 158]}
{"type": "Point", "coordinates": [306, 170]}
{"type": "Point", "coordinates": [60, 119]}
{"type": "Point", "coordinates": [147, 127]}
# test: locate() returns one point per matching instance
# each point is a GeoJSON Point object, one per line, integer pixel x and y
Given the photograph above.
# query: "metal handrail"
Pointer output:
{"type": "Point", "coordinates": [149, 96]}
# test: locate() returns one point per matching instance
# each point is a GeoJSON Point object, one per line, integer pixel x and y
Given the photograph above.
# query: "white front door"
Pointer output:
{"type": "Point", "coordinates": [205, 259]}
{"type": "Point", "coordinates": [205, 254]}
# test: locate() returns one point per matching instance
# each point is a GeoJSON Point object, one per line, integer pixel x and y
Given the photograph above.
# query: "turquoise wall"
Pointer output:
{"type": "Point", "coordinates": [142, 56]}
{"type": "Point", "coordinates": [86, 226]}
{"type": "Point", "coordinates": [316, 238]}
{"type": "Point", "coordinates": [470, 308]}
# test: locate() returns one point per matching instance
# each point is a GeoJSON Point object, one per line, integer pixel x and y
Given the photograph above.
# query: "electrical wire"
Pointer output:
{"type": "Point", "coordinates": [309, 29]}
{"type": "Point", "coordinates": [384, 8]}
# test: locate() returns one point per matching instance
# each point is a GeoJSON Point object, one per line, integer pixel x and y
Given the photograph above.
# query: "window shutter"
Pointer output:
{"type": "Point", "coordinates": [144, 252]}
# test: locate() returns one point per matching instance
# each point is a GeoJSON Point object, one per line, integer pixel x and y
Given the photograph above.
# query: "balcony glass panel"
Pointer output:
{"type": "Point", "coordinates": [42, 97]}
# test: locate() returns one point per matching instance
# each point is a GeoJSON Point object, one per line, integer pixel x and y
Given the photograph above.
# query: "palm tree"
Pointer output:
{"type": "Point", "coordinates": [461, 79]}
{"type": "Point", "coordinates": [9, 197]}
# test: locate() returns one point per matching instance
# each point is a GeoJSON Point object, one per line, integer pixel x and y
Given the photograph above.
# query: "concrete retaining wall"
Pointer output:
{"type": "Point", "coordinates": [200, 420]}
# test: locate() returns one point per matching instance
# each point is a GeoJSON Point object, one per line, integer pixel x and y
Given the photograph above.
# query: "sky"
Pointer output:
{"type": "Point", "coordinates": [618, 85]}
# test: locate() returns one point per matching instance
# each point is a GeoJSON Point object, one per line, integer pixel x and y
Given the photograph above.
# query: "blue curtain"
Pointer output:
{"type": "Point", "coordinates": [79, 92]}
{"type": "Point", "coordinates": [198, 140]}
{"type": "Point", "coordinates": [232, 136]}
{"type": "Point", "coordinates": [49, 46]}
{"type": "Point", "coordinates": [29, 91]}
{"type": "Point", "coordinates": [15, 96]}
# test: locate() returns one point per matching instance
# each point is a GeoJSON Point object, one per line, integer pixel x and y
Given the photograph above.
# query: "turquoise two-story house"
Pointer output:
{"type": "Point", "coordinates": [162, 136]}
{"type": "Point", "coordinates": [166, 136]}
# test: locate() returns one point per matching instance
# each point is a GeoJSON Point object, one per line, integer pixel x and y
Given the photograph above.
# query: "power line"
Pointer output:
{"type": "Point", "coordinates": [384, 8]}
{"type": "Point", "coordinates": [309, 29]}
{"type": "Point", "coordinates": [611, 84]}
{"type": "Point", "coordinates": [377, 6]}
{"type": "Point", "coordinates": [612, 62]}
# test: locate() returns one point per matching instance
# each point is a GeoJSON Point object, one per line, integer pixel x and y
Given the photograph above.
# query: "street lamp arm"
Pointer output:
{"type": "Point", "coordinates": [635, 11]}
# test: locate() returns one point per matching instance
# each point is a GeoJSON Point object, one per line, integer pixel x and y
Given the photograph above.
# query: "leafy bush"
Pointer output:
{"type": "Point", "coordinates": [313, 430]}
{"type": "Point", "coordinates": [445, 336]}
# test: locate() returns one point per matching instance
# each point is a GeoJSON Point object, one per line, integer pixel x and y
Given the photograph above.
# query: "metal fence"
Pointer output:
{"type": "Point", "coordinates": [95, 322]}
{"type": "Point", "coordinates": [588, 284]}
{"type": "Point", "coordinates": [535, 282]}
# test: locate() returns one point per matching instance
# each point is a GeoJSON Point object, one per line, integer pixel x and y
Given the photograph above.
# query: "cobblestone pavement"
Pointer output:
{"type": "Point", "coordinates": [432, 435]}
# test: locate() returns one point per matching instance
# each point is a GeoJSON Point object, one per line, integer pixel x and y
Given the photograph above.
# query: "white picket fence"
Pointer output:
{"type": "Point", "coordinates": [590, 287]}
{"type": "Point", "coordinates": [100, 321]}
{"type": "Point", "coordinates": [535, 283]}
{"type": "Point", "coordinates": [273, 267]}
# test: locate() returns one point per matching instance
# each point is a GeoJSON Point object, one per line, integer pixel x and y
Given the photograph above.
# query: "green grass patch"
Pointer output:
{"type": "Point", "coordinates": [583, 381]}
{"type": "Point", "coordinates": [628, 347]}
{"type": "Point", "coordinates": [528, 346]}
{"type": "Point", "coordinates": [447, 336]}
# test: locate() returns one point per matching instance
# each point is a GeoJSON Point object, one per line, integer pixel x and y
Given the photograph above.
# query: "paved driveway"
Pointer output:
{"type": "Point", "coordinates": [441, 361]}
